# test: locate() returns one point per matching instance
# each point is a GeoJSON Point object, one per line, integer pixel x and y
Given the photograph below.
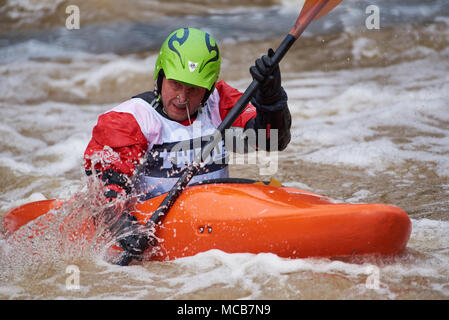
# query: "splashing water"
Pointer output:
{"type": "Point", "coordinates": [82, 229]}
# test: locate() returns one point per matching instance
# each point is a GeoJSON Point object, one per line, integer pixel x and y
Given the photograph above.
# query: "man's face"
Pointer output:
{"type": "Point", "coordinates": [179, 98]}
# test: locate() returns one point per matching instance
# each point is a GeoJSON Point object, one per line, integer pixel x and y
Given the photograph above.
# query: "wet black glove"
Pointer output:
{"type": "Point", "coordinates": [268, 75]}
{"type": "Point", "coordinates": [270, 101]}
{"type": "Point", "coordinates": [136, 242]}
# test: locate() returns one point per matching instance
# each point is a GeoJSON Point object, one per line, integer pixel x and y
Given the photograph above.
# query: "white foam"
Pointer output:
{"type": "Point", "coordinates": [429, 234]}
{"type": "Point", "coordinates": [29, 10]}
{"type": "Point", "coordinates": [67, 155]}
{"type": "Point", "coordinates": [13, 139]}
{"type": "Point", "coordinates": [117, 70]}
{"type": "Point", "coordinates": [292, 5]}
{"type": "Point", "coordinates": [215, 267]}
{"type": "Point", "coordinates": [364, 48]}
{"type": "Point", "coordinates": [23, 80]}
{"type": "Point", "coordinates": [61, 146]}
{"type": "Point", "coordinates": [344, 120]}
{"type": "Point", "coordinates": [359, 195]}
{"type": "Point", "coordinates": [35, 49]}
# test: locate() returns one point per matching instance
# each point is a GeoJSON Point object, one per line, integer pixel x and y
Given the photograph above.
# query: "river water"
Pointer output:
{"type": "Point", "coordinates": [370, 106]}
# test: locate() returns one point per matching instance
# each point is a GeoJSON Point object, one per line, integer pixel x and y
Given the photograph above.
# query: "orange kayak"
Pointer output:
{"type": "Point", "coordinates": [256, 218]}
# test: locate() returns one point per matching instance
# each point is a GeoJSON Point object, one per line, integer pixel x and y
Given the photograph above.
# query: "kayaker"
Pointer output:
{"type": "Point", "coordinates": [133, 143]}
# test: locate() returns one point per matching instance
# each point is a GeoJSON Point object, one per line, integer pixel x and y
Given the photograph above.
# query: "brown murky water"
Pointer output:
{"type": "Point", "coordinates": [370, 124]}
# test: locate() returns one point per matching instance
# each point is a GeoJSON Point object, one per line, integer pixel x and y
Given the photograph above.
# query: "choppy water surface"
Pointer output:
{"type": "Point", "coordinates": [370, 124]}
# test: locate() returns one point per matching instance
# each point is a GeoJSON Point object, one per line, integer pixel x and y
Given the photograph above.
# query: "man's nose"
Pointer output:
{"type": "Point", "coordinates": [182, 95]}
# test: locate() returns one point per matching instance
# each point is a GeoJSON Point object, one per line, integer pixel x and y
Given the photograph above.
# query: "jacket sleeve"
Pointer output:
{"type": "Point", "coordinates": [257, 117]}
{"type": "Point", "coordinates": [116, 148]}
{"type": "Point", "coordinates": [228, 98]}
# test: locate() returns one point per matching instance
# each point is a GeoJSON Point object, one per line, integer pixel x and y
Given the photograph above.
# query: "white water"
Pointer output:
{"type": "Point", "coordinates": [374, 130]}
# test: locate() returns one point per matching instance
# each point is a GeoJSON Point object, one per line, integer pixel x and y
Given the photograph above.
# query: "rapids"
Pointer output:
{"type": "Point", "coordinates": [370, 114]}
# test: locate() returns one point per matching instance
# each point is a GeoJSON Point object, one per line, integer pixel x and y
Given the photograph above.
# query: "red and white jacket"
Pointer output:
{"type": "Point", "coordinates": [134, 135]}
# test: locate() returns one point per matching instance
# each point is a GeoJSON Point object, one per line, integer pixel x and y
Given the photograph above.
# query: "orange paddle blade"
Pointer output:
{"type": "Point", "coordinates": [312, 10]}
{"type": "Point", "coordinates": [331, 4]}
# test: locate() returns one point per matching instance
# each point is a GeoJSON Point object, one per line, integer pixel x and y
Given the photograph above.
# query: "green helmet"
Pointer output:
{"type": "Point", "coordinates": [190, 56]}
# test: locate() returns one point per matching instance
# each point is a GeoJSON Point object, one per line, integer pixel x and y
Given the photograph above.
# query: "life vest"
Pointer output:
{"type": "Point", "coordinates": [173, 146]}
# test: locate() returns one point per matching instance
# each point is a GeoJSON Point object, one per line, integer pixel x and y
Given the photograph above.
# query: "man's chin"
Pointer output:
{"type": "Point", "coordinates": [176, 117]}
{"type": "Point", "coordinates": [177, 114]}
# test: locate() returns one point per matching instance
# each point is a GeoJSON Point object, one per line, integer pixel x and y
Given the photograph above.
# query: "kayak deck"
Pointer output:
{"type": "Point", "coordinates": [253, 218]}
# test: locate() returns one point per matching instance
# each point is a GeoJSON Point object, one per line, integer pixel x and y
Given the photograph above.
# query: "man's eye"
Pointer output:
{"type": "Point", "coordinates": [195, 90]}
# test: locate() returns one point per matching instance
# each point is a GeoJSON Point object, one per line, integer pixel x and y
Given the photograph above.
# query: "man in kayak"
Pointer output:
{"type": "Point", "coordinates": [133, 145]}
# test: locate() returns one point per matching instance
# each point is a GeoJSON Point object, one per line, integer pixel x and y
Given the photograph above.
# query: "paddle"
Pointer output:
{"type": "Point", "coordinates": [312, 10]}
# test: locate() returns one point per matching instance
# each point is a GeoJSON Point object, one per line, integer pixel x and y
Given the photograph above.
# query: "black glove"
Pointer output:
{"type": "Point", "coordinates": [135, 244]}
{"type": "Point", "coordinates": [268, 75]}
{"type": "Point", "coordinates": [111, 195]}
{"type": "Point", "coordinates": [270, 101]}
